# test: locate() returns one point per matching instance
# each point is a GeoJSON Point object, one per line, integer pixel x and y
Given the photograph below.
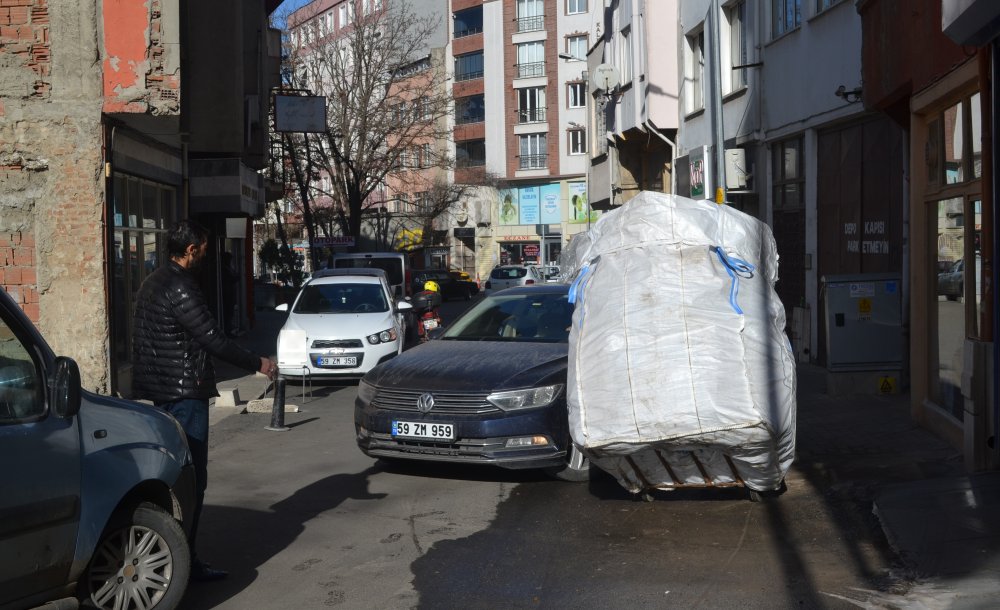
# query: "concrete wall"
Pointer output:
{"type": "Point", "coordinates": [51, 179]}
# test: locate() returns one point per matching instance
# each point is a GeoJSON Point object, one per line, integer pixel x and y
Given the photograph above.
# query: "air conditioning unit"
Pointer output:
{"type": "Point", "coordinates": [737, 171]}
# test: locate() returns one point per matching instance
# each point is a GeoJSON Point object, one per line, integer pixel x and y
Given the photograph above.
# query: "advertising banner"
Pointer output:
{"type": "Point", "coordinates": [508, 207]}
{"type": "Point", "coordinates": [551, 204]}
{"type": "Point", "coordinates": [578, 206]}
{"type": "Point", "coordinates": [528, 202]}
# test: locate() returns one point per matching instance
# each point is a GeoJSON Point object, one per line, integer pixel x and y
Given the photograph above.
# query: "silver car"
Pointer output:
{"type": "Point", "coordinates": [510, 276]}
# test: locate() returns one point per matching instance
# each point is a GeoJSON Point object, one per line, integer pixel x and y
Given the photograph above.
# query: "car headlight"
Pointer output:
{"type": "Point", "coordinates": [525, 399]}
{"type": "Point", "coordinates": [384, 336]}
{"type": "Point", "coordinates": [366, 392]}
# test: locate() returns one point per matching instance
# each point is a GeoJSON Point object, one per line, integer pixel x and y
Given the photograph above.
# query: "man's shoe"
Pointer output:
{"type": "Point", "coordinates": [202, 572]}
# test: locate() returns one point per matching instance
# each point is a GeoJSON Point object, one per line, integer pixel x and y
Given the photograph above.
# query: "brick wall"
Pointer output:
{"type": "Point", "coordinates": [17, 271]}
{"type": "Point", "coordinates": [24, 33]}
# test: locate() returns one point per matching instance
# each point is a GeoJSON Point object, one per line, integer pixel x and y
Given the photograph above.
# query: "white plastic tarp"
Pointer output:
{"type": "Point", "coordinates": [680, 372]}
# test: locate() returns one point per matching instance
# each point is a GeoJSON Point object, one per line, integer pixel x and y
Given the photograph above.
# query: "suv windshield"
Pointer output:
{"type": "Point", "coordinates": [542, 318]}
{"type": "Point", "coordinates": [341, 298]}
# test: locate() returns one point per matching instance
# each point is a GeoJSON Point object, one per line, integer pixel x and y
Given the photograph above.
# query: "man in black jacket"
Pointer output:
{"type": "Point", "coordinates": [174, 340]}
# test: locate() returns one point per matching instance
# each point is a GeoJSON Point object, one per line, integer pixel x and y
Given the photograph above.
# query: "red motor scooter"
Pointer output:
{"type": "Point", "coordinates": [425, 310]}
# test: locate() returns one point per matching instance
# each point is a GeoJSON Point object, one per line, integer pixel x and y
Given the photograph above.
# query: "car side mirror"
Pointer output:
{"type": "Point", "coordinates": [404, 306]}
{"type": "Point", "coordinates": [282, 307]}
{"type": "Point", "coordinates": [65, 387]}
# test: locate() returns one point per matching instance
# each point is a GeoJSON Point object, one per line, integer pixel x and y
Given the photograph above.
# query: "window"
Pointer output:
{"type": "Point", "coordinates": [531, 105]}
{"type": "Point", "coordinates": [530, 59]}
{"type": "Point", "coordinates": [425, 156]}
{"type": "Point", "coordinates": [574, 7]}
{"type": "Point", "coordinates": [530, 15]}
{"type": "Point", "coordinates": [470, 109]}
{"type": "Point", "coordinates": [468, 22]}
{"type": "Point", "coordinates": [954, 144]}
{"type": "Point", "coordinates": [533, 151]}
{"type": "Point", "coordinates": [575, 93]}
{"type": "Point", "coordinates": [371, 6]}
{"type": "Point", "coordinates": [469, 66]}
{"type": "Point", "coordinates": [422, 109]}
{"type": "Point", "coordinates": [625, 56]}
{"type": "Point", "coordinates": [342, 14]}
{"type": "Point", "coordinates": [694, 72]}
{"type": "Point", "coordinates": [577, 46]}
{"type": "Point", "coordinates": [470, 153]}
{"type": "Point", "coordinates": [822, 5]}
{"type": "Point", "coordinates": [789, 178]}
{"type": "Point", "coordinates": [21, 394]}
{"type": "Point", "coordinates": [786, 15]}
{"type": "Point", "coordinates": [577, 142]}
{"type": "Point", "coordinates": [736, 24]}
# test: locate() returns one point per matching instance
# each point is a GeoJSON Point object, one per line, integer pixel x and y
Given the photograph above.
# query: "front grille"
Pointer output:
{"type": "Point", "coordinates": [324, 344]}
{"type": "Point", "coordinates": [444, 402]}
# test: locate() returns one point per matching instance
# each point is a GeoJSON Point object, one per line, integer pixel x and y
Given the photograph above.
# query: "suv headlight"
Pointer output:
{"type": "Point", "coordinates": [384, 336]}
{"type": "Point", "coordinates": [530, 398]}
{"type": "Point", "coordinates": [366, 392]}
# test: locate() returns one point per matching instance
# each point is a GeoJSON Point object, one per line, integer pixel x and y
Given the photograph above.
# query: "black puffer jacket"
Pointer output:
{"type": "Point", "coordinates": [174, 338]}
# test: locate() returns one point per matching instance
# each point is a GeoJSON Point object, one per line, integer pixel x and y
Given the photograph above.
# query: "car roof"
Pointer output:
{"type": "Point", "coordinates": [349, 271]}
{"type": "Point", "coordinates": [347, 278]}
{"type": "Point", "coordinates": [548, 288]}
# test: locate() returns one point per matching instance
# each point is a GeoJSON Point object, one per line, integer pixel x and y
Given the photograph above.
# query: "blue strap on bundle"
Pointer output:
{"type": "Point", "coordinates": [576, 288]}
{"type": "Point", "coordinates": [736, 268]}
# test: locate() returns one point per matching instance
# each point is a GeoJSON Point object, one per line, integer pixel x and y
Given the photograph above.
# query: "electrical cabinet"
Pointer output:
{"type": "Point", "coordinates": [863, 322]}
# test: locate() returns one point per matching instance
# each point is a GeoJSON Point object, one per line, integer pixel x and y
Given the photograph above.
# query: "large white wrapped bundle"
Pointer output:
{"type": "Point", "coordinates": [680, 372]}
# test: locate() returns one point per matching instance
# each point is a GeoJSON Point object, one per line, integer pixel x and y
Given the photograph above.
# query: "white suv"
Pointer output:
{"type": "Point", "coordinates": [509, 276]}
{"type": "Point", "coordinates": [343, 322]}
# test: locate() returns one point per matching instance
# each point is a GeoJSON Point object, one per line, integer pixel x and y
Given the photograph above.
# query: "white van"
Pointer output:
{"type": "Point", "coordinates": [393, 263]}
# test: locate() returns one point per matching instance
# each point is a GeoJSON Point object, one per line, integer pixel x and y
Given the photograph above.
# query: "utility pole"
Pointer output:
{"type": "Point", "coordinates": [719, 141]}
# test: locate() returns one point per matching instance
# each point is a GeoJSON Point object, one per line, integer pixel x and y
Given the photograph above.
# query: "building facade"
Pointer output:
{"type": "Point", "coordinates": [102, 157]}
{"type": "Point", "coordinates": [936, 81]}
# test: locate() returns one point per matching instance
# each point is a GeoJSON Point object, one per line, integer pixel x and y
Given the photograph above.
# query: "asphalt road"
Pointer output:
{"type": "Point", "coordinates": [302, 519]}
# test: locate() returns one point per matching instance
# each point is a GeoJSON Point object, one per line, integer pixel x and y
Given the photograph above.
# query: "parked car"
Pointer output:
{"type": "Point", "coordinates": [343, 322]}
{"type": "Point", "coordinates": [490, 390]}
{"type": "Point", "coordinates": [93, 489]}
{"type": "Point", "coordinates": [451, 288]}
{"type": "Point", "coordinates": [397, 272]}
{"type": "Point", "coordinates": [509, 276]}
{"type": "Point", "coordinates": [458, 274]}
{"type": "Point", "coordinates": [951, 283]}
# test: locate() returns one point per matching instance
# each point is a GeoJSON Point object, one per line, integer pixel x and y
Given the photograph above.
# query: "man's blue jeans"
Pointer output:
{"type": "Point", "coordinates": [192, 414]}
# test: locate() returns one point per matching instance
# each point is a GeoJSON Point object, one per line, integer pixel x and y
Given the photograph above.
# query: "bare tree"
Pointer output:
{"type": "Point", "coordinates": [387, 106]}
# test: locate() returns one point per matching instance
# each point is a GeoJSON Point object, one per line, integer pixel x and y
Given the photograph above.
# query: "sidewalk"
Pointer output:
{"type": "Point", "coordinates": [943, 522]}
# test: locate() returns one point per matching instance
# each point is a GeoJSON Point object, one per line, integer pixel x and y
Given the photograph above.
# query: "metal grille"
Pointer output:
{"type": "Point", "coordinates": [321, 344]}
{"type": "Point", "coordinates": [444, 402]}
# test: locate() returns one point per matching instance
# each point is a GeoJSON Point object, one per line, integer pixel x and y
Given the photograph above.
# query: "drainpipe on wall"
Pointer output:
{"type": "Point", "coordinates": [995, 52]}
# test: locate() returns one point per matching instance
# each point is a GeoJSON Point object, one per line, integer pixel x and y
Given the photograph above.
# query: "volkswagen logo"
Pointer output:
{"type": "Point", "coordinates": [425, 403]}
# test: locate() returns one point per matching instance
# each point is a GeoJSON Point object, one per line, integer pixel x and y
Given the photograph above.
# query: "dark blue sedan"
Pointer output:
{"type": "Point", "coordinates": [490, 390]}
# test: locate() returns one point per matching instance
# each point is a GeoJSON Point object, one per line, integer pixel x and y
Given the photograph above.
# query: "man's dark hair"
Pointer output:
{"type": "Point", "coordinates": [183, 234]}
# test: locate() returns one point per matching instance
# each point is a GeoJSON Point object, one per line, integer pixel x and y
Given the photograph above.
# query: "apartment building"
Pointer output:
{"type": "Point", "coordinates": [106, 139]}
{"type": "Point", "coordinates": [520, 124]}
{"type": "Point", "coordinates": [634, 100]}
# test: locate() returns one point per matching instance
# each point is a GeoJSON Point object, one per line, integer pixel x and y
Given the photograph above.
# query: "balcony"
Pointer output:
{"type": "Point", "coordinates": [468, 31]}
{"type": "Point", "coordinates": [533, 161]}
{"type": "Point", "coordinates": [532, 115]}
{"type": "Point", "coordinates": [530, 24]}
{"type": "Point", "coordinates": [536, 68]}
{"type": "Point", "coordinates": [466, 118]}
{"type": "Point", "coordinates": [468, 76]}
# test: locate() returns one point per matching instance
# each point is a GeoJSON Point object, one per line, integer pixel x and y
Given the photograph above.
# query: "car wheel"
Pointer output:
{"type": "Point", "coordinates": [467, 295]}
{"type": "Point", "coordinates": [142, 561]}
{"type": "Point", "coordinates": [576, 469]}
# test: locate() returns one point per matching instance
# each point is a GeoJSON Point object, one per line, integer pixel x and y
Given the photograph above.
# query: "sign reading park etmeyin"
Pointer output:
{"type": "Point", "coordinates": [300, 113]}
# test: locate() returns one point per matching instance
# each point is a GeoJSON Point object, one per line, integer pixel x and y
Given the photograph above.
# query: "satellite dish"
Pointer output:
{"type": "Point", "coordinates": [604, 78]}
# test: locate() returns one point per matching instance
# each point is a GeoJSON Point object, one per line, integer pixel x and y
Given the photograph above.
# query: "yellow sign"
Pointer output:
{"type": "Point", "coordinates": [886, 385]}
{"type": "Point", "coordinates": [864, 305]}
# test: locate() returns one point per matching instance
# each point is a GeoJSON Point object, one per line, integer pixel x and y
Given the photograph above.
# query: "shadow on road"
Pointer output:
{"type": "Point", "coordinates": [241, 539]}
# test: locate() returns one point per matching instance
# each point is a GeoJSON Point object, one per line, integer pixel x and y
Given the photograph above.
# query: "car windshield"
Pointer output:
{"type": "Point", "coordinates": [509, 273]}
{"type": "Point", "coordinates": [528, 317]}
{"type": "Point", "coordinates": [341, 298]}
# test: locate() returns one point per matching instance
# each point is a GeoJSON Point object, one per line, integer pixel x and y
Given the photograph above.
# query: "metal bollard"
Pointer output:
{"type": "Point", "coordinates": [278, 407]}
